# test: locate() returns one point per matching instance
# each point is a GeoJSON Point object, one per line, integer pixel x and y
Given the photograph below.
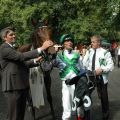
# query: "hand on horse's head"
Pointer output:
{"type": "Point", "coordinates": [46, 44]}
{"type": "Point", "coordinates": [39, 59]}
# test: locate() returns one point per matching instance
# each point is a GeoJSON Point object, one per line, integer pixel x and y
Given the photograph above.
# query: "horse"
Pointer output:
{"type": "Point", "coordinates": [37, 38]}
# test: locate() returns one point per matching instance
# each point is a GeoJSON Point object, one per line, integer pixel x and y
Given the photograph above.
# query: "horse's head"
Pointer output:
{"type": "Point", "coordinates": [40, 35]}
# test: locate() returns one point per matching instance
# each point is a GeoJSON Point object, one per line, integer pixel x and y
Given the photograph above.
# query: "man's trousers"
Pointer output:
{"type": "Point", "coordinates": [67, 98]}
{"type": "Point", "coordinates": [16, 104]}
{"type": "Point", "coordinates": [103, 95]}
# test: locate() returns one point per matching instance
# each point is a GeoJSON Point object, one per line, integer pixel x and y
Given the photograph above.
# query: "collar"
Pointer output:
{"type": "Point", "coordinates": [97, 49]}
{"type": "Point", "coordinates": [11, 45]}
{"type": "Point", "coordinates": [68, 51]}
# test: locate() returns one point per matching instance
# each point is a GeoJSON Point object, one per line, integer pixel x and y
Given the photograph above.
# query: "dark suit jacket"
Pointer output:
{"type": "Point", "coordinates": [14, 65]}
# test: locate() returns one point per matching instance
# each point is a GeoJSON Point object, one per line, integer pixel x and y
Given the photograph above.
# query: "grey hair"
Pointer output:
{"type": "Point", "coordinates": [98, 38]}
{"type": "Point", "coordinates": [5, 31]}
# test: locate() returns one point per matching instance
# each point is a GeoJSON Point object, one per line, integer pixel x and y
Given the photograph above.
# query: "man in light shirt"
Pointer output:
{"type": "Point", "coordinates": [103, 65]}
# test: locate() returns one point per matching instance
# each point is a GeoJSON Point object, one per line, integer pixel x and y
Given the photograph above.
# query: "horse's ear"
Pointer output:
{"type": "Point", "coordinates": [34, 22]}
{"type": "Point", "coordinates": [46, 22]}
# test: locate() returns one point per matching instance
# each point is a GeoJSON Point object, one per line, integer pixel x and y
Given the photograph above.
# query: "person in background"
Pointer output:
{"type": "Point", "coordinates": [0, 74]}
{"type": "Point", "coordinates": [84, 50]}
{"type": "Point", "coordinates": [75, 48]}
{"type": "Point", "coordinates": [99, 60]}
{"type": "Point", "coordinates": [15, 82]}
{"type": "Point", "coordinates": [118, 55]}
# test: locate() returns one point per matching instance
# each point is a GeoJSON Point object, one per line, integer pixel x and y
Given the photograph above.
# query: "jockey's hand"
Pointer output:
{"type": "Point", "coordinates": [46, 45]}
{"type": "Point", "coordinates": [56, 46]}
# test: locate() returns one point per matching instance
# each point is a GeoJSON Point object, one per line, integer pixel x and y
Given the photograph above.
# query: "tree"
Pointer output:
{"type": "Point", "coordinates": [82, 18]}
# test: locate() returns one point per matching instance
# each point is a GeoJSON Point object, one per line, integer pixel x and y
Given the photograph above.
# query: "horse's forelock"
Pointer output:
{"type": "Point", "coordinates": [40, 35]}
{"type": "Point", "coordinates": [44, 33]}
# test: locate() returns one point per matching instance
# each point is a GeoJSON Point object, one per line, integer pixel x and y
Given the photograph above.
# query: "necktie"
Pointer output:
{"type": "Point", "coordinates": [93, 60]}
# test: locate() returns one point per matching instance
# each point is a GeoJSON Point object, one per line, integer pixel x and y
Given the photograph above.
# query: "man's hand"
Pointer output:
{"type": "Point", "coordinates": [98, 71]}
{"type": "Point", "coordinates": [39, 59]}
{"type": "Point", "coordinates": [46, 45]}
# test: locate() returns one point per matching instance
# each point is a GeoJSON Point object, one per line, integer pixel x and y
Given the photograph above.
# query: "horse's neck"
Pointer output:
{"type": "Point", "coordinates": [24, 48]}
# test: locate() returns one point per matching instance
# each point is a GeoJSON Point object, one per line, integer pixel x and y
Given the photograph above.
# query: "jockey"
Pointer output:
{"type": "Point", "coordinates": [70, 65]}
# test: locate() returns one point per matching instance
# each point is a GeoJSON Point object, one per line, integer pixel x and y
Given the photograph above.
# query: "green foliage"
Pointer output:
{"type": "Point", "coordinates": [80, 17]}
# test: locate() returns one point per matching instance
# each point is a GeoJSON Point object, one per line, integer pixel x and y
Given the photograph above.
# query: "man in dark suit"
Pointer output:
{"type": "Point", "coordinates": [14, 75]}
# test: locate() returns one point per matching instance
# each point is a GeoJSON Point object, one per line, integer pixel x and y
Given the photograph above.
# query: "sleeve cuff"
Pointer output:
{"type": "Point", "coordinates": [35, 61]}
{"type": "Point", "coordinates": [39, 50]}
